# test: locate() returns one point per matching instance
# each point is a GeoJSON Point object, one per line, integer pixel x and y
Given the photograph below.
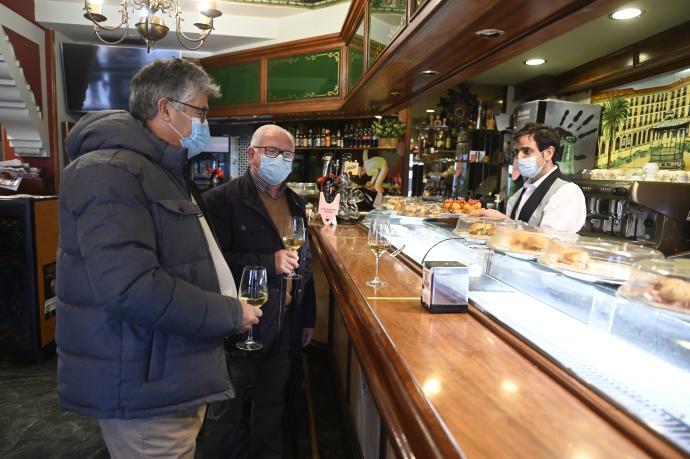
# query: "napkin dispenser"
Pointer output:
{"type": "Point", "coordinates": [445, 285]}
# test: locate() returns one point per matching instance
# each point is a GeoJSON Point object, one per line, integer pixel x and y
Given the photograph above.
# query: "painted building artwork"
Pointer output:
{"type": "Point", "coordinates": [646, 122]}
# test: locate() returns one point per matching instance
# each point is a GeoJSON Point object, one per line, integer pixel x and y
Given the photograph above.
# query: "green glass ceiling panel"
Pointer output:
{"type": "Point", "coordinates": [239, 84]}
{"type": "Point", "coordinates": [304, 76]}
{"type": "Point", "coordinates": [355, 57]}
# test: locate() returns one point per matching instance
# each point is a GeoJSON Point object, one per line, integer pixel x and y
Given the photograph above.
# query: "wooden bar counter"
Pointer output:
{"type": "Point", "coordinates": [446, 385]}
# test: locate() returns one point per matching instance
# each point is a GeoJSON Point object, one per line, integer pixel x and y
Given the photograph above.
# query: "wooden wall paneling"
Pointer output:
{"type": "Point", "coordinates": [53, 132]}
{"type": "Point", "coordinates": [262, 82]}
{"type": "Point", "coordinates": [354, 14]}
{"type": "Point", "coordinates": [46, 238]}
{"type": "Point", "coordinates": [365, 46]}
{"type": "Point", "coordinates": [295, 108]}
{"type": "Point", "coordinates": [344, 75]}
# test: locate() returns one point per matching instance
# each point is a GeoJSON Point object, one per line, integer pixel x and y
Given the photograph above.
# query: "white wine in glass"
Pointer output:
{"type": "Point", "coordinates": [254, 292]}
{"type": "Point", "coordinates": [293, 235]}
{"type": "Point", "coordinates": [378, 242]}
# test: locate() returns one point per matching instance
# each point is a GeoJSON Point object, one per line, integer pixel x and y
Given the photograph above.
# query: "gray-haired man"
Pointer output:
{"type": "Point", "coordinates": [145, 297]}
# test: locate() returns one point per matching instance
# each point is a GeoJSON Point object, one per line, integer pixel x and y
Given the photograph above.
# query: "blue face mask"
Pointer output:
{"type": "Point", "coordinates": [198, 139]}
{"type": "Point", "coordinates": [274, 170]}
{"type": "Point", "coordinates": [529, 167]}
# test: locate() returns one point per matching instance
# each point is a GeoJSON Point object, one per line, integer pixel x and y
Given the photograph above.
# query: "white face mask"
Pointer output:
{"type": "Point", "coordinates": [529, 167]}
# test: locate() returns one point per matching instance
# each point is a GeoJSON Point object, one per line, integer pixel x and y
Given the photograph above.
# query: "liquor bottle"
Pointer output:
{"type": "Point", "coordinates": [328, 138]}
{"type": "Point", "coordinates": [311, 138]}
{"type": "Point", "coordinates": [317, 140]}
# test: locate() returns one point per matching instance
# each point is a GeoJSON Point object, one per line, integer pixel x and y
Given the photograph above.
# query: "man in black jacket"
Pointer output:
{"type": "Point", "coordinates": [247, 215]}
{"type": "Point", "coordinates": [144, 296]}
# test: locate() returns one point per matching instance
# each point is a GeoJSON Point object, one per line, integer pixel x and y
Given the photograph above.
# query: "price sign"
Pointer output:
{"type": "Point", "coordinates": [351, 167]}
{"type": "Point", "coordinates": [329, 210]}
{"type": "Point", "coordinates": [378, 200]}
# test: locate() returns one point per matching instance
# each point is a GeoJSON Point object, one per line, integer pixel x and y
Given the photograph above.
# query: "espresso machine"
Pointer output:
{"type": "Point", "coordinates": [656, 214]}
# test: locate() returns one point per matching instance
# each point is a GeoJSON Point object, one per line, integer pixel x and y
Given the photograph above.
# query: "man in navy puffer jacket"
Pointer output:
{"type": "Point", "coordinates": [145, 298]}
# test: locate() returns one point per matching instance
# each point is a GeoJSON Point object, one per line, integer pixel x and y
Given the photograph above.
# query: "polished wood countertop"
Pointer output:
{"type": "Point", "coordinates": [447, 385]}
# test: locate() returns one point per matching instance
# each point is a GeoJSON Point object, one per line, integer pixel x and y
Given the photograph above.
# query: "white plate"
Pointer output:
{"type": "Point", "coordinates": [587, 277]}
{"type": "Point", "coordinates": [518, 255]}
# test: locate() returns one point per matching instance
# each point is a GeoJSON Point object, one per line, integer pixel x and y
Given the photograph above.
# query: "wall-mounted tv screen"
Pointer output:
{"type": "Point", "coordinates": [97, 77]}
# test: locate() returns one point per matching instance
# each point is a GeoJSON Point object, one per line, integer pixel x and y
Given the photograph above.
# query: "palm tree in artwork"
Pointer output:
{"type": "Point", "coordinates": [613, 115]}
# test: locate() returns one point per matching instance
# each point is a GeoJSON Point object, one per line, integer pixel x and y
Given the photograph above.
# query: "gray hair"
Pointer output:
{"type": "Point", "coordinates": [259, 134]}
{"type": "Point", "coordinates": [175, 78]}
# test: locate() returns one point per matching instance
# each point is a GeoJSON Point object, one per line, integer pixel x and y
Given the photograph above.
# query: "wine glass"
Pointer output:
{"type": "Point", "coordinates": [254, 292]}
{"type": "Point", "coordinates": [378, 242]}
{"type": "Point", "coordinates": [293, 237]}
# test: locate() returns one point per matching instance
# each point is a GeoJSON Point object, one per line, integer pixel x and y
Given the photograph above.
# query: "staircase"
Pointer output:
{"type": "Point", "coordinates": [20, 116]}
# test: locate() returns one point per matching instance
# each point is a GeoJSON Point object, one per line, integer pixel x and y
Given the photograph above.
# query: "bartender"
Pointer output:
{"type": "Point", "coordinates": [546, 199]}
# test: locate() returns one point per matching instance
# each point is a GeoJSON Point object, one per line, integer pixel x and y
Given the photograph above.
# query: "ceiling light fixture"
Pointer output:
{"type": "Point", "coordinates": [625, 13]}
{"type": "Point", "coordinates": [151, 25]}
{"type": "Point", "coordinates": [430, 110]}
{"type": "Point", "coordinates": [489, 33]}
{"type": "Point", "coordinates": [429, 72]}
{"type": "Point", "coordinates": [535, 61]}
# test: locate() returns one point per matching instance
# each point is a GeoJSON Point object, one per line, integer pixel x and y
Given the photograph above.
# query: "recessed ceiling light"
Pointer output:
{"type": "Point", "coordinates": [489, 33]}
{"type": "Point", "coordinates": [429, 72]}
{"type": "Point", "coordinates": [625, 13]}
{"type": "Point", "coordinates": [378, 117]}
{"type": "Point", "coordinates": [430, 110]}
{"type": "Point", "coordinates": [535, 61]}
{"type": "Point", "coordinates": [395, 93]}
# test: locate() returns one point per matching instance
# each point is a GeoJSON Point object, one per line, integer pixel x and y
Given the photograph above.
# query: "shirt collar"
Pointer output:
{"type": "Point", "coordinates": [528, 182]}
{"type": "Point", "coordinates": [263, 186]}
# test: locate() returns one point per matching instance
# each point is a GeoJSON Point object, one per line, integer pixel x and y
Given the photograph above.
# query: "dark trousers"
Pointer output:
{"type": "Point", "coordinates": [250, 425]}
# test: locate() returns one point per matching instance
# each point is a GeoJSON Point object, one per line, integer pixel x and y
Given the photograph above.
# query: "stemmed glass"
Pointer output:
{"type": "Point", "coordinates": [293, 234]}
{"type": "Point", "coordinates": [378, 242]}
{"type": "Point", "coordinates": [253, 292]}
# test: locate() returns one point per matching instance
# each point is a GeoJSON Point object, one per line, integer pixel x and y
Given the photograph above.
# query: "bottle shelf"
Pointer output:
{"type": "Point", "coordinates": [341, 148]}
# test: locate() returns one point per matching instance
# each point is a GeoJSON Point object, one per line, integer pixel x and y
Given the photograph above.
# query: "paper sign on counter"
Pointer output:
{"type": "Point", "coordinates": [329, 210]}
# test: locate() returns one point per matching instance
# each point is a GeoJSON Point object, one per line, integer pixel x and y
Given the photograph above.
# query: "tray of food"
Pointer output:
{"type": "Point", "coordinates": [525, 243]}
{"type": "Point", "coordinates": [461, 206]}
{"type": "Point", "coordinates": [659, 283]}
{"type": "Point", "coordinates": [481, 229]}
{"type": "Point", "coordinates": [595, 260]}
{"type": "Point", "coordinates": [420, 209]}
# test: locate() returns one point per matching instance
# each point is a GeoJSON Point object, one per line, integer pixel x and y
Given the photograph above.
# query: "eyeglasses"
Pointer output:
{"type": "Point", "coordinates": [273, 152]}
{"type": "Point", "coordinates": [202, 111]}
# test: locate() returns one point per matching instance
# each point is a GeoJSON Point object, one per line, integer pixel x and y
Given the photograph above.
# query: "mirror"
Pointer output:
{"type": "Point", "coordinates": [386, 19]}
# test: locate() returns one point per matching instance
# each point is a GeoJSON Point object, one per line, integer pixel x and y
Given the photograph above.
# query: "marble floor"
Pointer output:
{"type": "Point", "coordinates": [32, 426]}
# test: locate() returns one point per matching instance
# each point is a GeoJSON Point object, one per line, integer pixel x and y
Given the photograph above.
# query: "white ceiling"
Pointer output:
{"type": "Point", "coordinates": [241, 26]}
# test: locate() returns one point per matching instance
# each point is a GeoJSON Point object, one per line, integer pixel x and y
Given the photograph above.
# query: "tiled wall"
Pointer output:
{"type": "Point", "coordinates": [238, 148]}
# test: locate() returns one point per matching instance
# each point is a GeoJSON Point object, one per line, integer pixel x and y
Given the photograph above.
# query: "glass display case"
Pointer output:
{"type": "Point", "coordinates": [635, 354]}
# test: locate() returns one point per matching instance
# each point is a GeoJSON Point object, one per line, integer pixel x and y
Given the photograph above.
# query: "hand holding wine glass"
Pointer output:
{"type": "Point", "coordinates": [378, 242]}
{"type": "Point", "coordinates": [253, 292]}
{"type": "Point", "coordinates": [293, 234]}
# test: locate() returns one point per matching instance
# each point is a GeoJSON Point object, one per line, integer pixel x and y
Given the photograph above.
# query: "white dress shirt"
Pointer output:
{"type": "Point", "coordinates": [225, 279]}
{"type": "Point", "coordinates": [565, 211]}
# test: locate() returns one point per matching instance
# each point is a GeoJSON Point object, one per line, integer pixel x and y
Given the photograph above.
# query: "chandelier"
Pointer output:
{"type": "Point", "coordinates": [150, 24]}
